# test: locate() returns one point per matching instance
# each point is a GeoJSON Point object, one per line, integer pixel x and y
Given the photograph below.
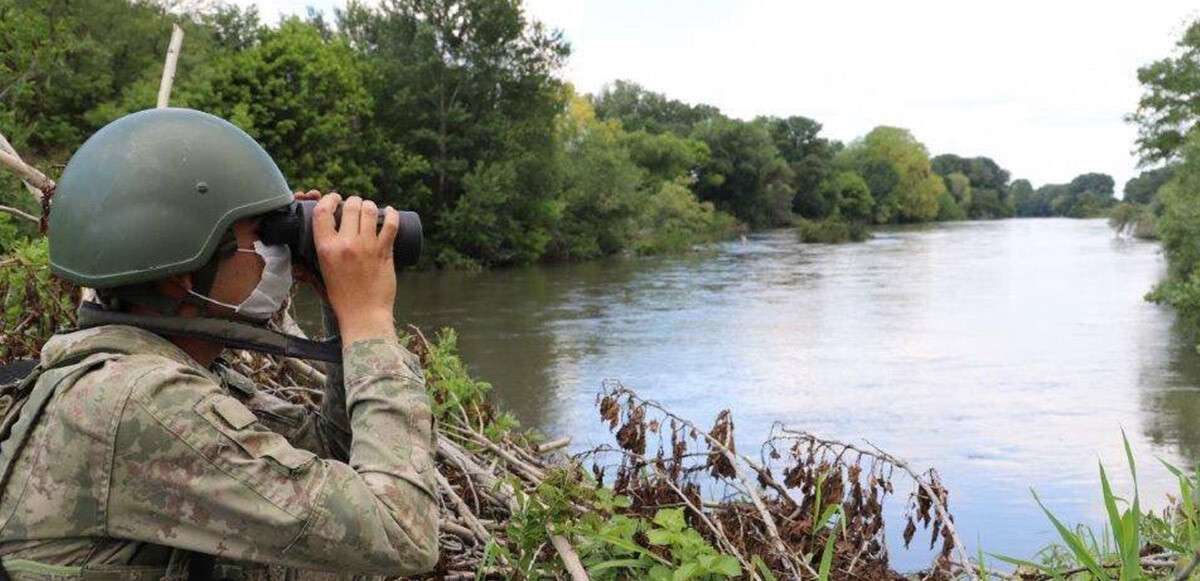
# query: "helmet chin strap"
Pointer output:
{"type": "Point", "coordinates": [223, 332]}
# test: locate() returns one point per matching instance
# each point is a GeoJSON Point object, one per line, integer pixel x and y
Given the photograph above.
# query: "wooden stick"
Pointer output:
{"type": "Point", "coordinates": [33, 190]}
{"type": "Point", "coordinates": [569, 557]}
{"type": "Point", "coordinates": [27, 173]}
{"type": "Point", "coordinates": [168, 76]}
{"type": "Point", "coordinates": [553, 445]}
{"type": "Point", "coordinates": [463, 510]}
{"type": "Point", "coordinates": [20, 214]}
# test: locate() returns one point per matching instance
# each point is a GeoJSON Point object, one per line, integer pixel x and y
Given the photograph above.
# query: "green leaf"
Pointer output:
{"type": "Point", "coordinates": [686, 571]}
{"type": "Point", "coordinates": [763, 569]}
{"type": "Point", "coordinates": [631, 547]}
{"type": "Point", "coordinates": [660, 537]}
{"type": "Point", "coordinates": [827, 554]}
{"type": "Point", "coordinates": [660, 573]}
{"type": "Point", "coordinates": [726, 565]}
{"type": "Point", "coordinates": [615, 563]}
{"type": "Point", "coordinates": [670, 519]}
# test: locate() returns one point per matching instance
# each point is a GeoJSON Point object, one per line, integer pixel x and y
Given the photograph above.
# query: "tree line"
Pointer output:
{"type": "Point", "coordinates": [456, 109]}
{"type": "Point", "coordinates": [1166, 197]}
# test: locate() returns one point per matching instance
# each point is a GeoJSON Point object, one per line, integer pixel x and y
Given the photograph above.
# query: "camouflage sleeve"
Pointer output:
{"type": "Point", "coordinates": [194, 468]}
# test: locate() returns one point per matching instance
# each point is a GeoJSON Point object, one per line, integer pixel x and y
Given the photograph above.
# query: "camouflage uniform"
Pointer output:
{"type": "Point", "coordinates": [146, 450]}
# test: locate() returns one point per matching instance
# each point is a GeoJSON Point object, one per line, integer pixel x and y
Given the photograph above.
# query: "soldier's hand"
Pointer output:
{"type": "Point", "coordinates": [356, 263]}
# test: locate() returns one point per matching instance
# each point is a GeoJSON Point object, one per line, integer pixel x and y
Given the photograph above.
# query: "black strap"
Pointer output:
{"type": "Point", "coordinates": [12, 373]}
{"type": "Point", "coordinates": [221, 331]}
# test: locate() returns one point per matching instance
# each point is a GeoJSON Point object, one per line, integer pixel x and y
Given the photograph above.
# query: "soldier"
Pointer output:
{"type": "Point", "coordinates": [147, 453]}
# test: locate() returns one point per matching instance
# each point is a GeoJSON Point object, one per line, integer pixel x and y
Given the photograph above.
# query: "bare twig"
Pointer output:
{"type": "Point", "coordinates": [553, 445]}
{"type": "Point", "coordinates": [481, 534]}
{"type": "Point", "coordinates": [19, 213]}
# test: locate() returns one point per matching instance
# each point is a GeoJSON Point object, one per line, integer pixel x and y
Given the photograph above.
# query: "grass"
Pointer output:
{"type": "Point", "coordinates": [1133, 544]}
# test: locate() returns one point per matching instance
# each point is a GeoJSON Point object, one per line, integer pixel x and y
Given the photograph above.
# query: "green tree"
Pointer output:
{"type": "Point", "coordinates": [1179, 230]}
{"type": "Point", "coordinates": [897, 169]}
{"type": "Point", "coordinates": [741, 176]}
{"type": "Point", "coordinates": [1168, 109]}
{"type": "Point", "coordinates": [988, 182]}
{"type": "Point", "coordinates": [306, 100]}
{"type": "Point", "coordinates": [600, 195]}
{"type": "Point", "coordinates": [470, 87]}
{"type": "Point", "coordinates": [849, 195]}
{"type": "Point", "coordinates": [665, 156]}
{"type": "Point", "coordinates": [1025, 201]}
{"type": "Point", "coordinates": [638, 109]}
{"type": "Point", "coordinates": [810, 158]}
{"type": "Point", "coordinates": [1144, 188]}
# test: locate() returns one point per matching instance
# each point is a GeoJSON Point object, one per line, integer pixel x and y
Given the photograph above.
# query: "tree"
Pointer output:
{"type": "Point", "coordinates": [1168, 109]}
{"type": "Point", "coordinates": [849, 196]}
{"type": "Point", "coordinates": [909, 191]}
{"type": "Point", "coordinates": [638, 109]}
{"type": "Point", "coordinates": [1025, 201]}
{"type": "Point", "coordinates": [1145, 187]}
{"type": "Point", "coordinates": [306, 100]}
{"type": "Point", "coordinates": [665, 156]}
{"type": "Point", "coordinates": [808, 155]}
{"type": "Point", "coordinates": [470, 88]}
{"type": "Point", "coordinates": [600, 196]}
{"type": "Point", "coordinates": [735, 178]}
{"type": "Point", "coordinates": [987, 180]}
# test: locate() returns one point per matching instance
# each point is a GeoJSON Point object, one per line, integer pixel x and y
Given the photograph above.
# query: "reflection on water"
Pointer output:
{"type": "Point", "coordinates": [1007, 354]}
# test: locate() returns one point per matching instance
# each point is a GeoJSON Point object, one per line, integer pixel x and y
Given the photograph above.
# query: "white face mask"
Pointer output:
{"type": "Point", "coordinates": [273, 288]}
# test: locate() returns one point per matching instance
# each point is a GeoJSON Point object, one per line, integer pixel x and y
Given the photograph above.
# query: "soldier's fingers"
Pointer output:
{"type": "Point", "coordinates": [323, 222]}
{"type": "Point", "coordinates": [387, 234]}
{"type": "Point", "coordinates": [368, 221]}
{"type": "Point", "coordinates": [350, 212]}
{"type": "Point", "coordinates": [309, 195]}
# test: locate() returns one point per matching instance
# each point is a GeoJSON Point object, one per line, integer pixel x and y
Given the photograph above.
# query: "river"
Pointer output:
{"type": "Point", "coordinates": [1009, 355]}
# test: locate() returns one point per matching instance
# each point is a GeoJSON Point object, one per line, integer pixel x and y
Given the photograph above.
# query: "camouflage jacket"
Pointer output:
{"type": "Point", "coordinates": [149, 451]}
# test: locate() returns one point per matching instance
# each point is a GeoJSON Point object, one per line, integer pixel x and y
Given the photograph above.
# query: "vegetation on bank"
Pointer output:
{"type": "Point", "coordinates": [1166, 197]}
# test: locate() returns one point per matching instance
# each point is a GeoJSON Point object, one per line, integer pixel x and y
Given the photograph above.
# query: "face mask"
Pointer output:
{"type": "Point", "coordinates": [267, 297]}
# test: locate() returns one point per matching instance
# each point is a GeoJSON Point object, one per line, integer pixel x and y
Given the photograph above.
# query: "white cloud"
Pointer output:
{"type": "Point", "coordinates": [1039, 86]}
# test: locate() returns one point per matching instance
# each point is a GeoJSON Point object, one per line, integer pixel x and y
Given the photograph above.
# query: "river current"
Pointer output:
{"type": "Point", "coordinates": [1009, 355]}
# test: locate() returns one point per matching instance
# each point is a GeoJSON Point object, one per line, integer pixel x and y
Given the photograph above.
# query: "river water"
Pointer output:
{"type": "Point", "coordinates": [1009, 355]}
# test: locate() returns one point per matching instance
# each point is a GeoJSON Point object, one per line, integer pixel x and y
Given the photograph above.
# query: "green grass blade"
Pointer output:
{"type": "Point", "coordinates": [827, 554]}
{"type": "Point", "coordinates": [1073, 542]}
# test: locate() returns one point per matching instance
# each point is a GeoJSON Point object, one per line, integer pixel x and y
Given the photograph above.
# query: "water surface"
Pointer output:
{"type": "Point", "coordinates": [1007, 354]}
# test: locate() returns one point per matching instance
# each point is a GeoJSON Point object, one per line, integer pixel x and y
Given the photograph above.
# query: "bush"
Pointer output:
{"type": "Point", "coordinates": [833, 230]}
{"type": "Point", "coordinates": [675, 220]}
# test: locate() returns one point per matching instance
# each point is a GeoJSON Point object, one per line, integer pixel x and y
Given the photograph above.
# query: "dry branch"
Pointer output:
{"type": "Point", "coordinates": [19, 213]}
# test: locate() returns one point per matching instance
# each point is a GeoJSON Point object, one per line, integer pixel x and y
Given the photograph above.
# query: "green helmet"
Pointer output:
{"type": "Point", "coordinates": [152, 194]}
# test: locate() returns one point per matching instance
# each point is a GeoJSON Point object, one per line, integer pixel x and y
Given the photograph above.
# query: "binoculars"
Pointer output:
{"type": "Point", "coordinates": [293, 226]}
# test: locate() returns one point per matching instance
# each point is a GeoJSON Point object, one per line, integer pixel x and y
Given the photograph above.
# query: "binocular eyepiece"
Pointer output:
{"type": "Point", "coordinates": [293, 226]}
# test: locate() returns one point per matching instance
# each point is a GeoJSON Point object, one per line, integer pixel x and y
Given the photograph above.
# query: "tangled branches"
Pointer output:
{"type": "Point", "coordinates": [831, 493]}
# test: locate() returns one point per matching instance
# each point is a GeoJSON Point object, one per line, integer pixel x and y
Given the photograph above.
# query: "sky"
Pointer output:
{"type": "Point", "coordinates": [1041, 86]}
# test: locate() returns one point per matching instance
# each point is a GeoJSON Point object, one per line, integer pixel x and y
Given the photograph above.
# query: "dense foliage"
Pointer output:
{"type": "Point", "coordinates": [452, 108]}
{"type": "Point", "coordinates": [1165, 201]}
